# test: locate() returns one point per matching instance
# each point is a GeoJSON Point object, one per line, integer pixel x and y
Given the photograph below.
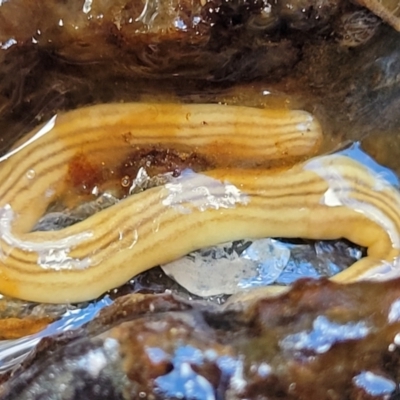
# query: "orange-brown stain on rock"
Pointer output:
{"type": "Point", "coordinates": [83, 175]}
{"type": "Point", "coordinates": [14, 328]}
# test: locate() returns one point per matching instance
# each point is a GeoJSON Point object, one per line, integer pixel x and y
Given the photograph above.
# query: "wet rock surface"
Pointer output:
{"type": "Point", "coordinates": [208, 39]}
{"type": "Point", "coordinates": [163, 347]}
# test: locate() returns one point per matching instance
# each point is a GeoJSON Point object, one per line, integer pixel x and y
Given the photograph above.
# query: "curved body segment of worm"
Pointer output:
{"type": "Point", "coordinates": [327, 197]}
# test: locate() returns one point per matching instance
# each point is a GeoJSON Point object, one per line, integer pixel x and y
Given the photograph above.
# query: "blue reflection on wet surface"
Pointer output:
{"type": "Point", "coordinates": [324, 335]}
{"type": "Point", "coordinates": [14, 351]}
{"type": "Point", "coordinates": [295, 270]}
{"type": "Point", "coordinates": [354, 151]}
{"type": "Point", "coordinates": [374, 385]}
{"type": "Point", "coordinates": [73, 319]}
{"type": "Point", "coordinates": [183, 382]}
